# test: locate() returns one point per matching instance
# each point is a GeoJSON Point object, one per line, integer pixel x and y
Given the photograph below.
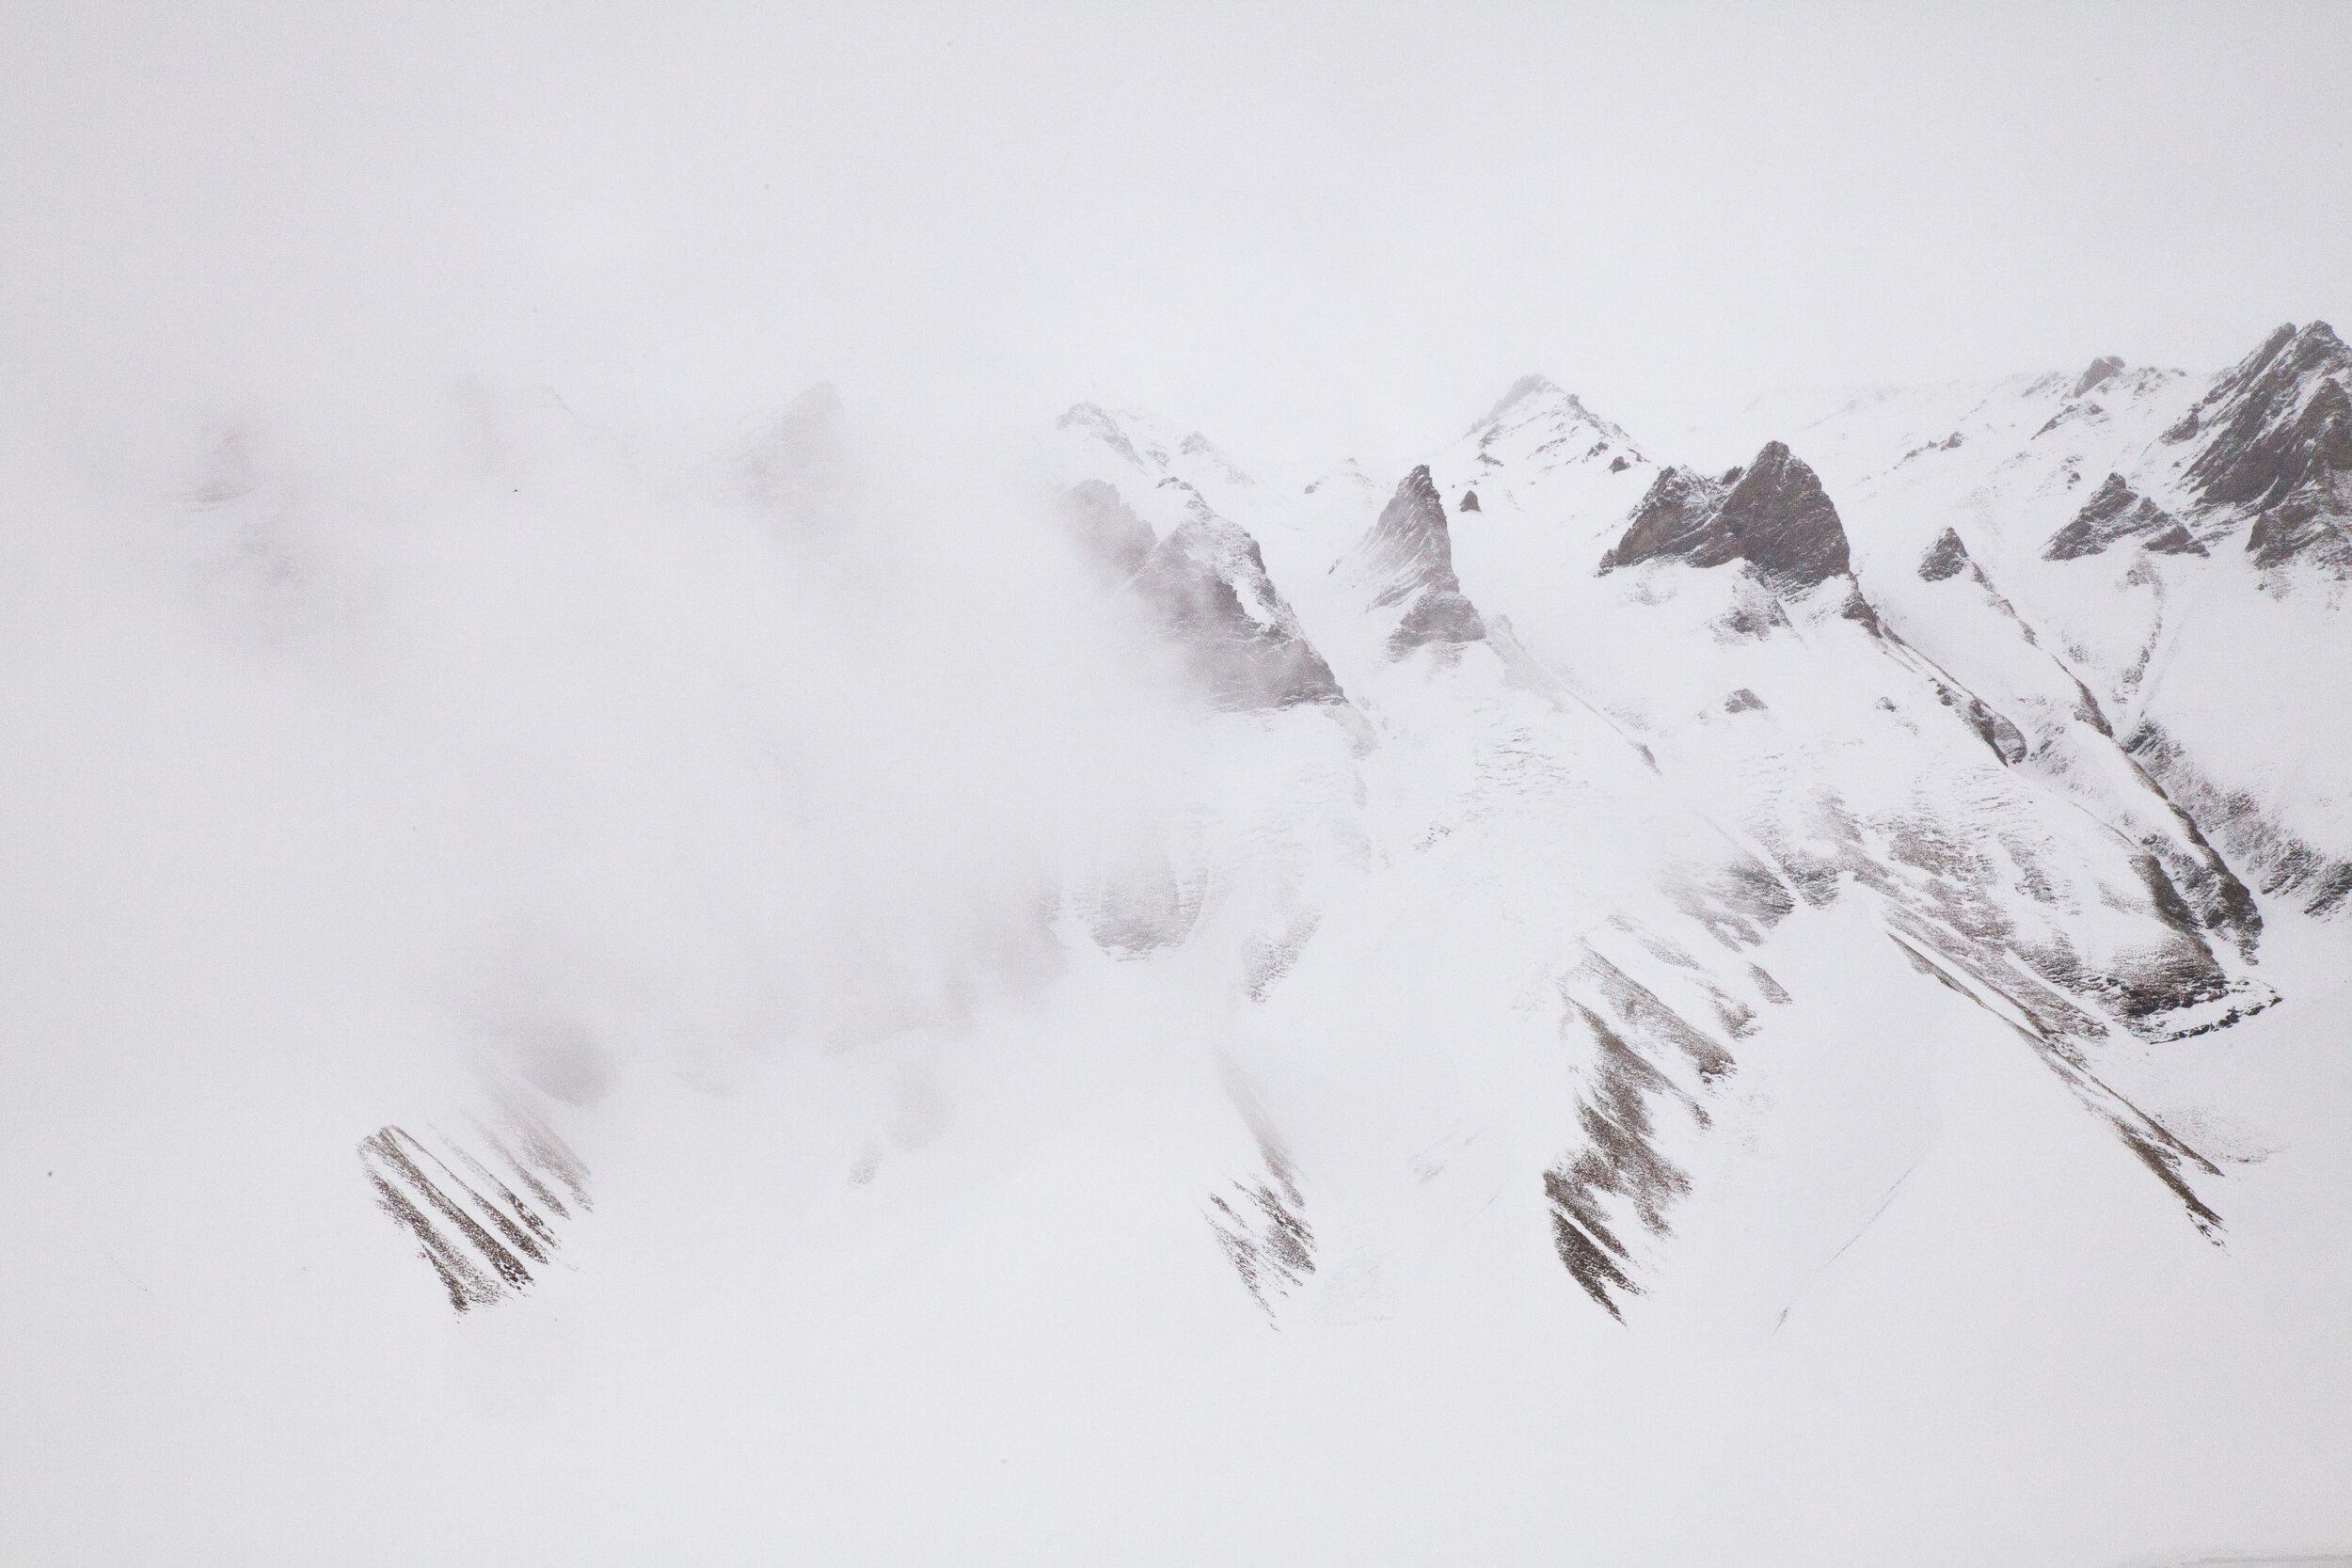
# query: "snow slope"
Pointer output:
{"type": "Point", "coordinates": [1671, 1015]}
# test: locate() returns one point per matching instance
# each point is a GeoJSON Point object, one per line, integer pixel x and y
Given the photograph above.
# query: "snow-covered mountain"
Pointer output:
{"type": "Point", "coordinates": [2176, 540]}
{"type": "Point", "coordinates": [1583, 640]}
{"type": "Point", "coordinates": [1547, 771]}
{"type": "Point", "coordinates": [1615, 928]}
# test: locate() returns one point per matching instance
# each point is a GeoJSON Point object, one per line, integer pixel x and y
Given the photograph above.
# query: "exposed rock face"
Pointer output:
{"type": "Point", "coordinates": [1672, 520]}
{"type": "Point", "coordinates": [1208, 585]}
{"type": "Point", "coordinates": [1654, 1070]}
{"type": "Point", "coordinates": [1947, 558]}
{"type": "Point", "coordinates": [2279, 448]}
{"type": "Point", "coordinates": [485, 1210]}
{"type": "Point", "coordinates": [1407, 558]}
{"type": "Point", "coordinates": [2101, 369]}
{"type": "Point", "coordinates": [2281, 864]}
{"type": "Point", "coordinates": [2005, 740]}
{"type": "Point", "coordinates": [2115, 512]}
{"type": "Point", "coordinates": [1771, 513]}
{"type": "Point", "coordinates": [1199, 574]}
{"type": "Point", "coordinates": [1095, 420]}
{"type": "Point", "coordinates": [1469, 501]}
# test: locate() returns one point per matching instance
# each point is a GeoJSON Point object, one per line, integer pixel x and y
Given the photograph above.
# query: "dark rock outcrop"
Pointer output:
{"type": "Point", "coordinates": [2299, 531]}
{"type": "Point", "coordinates": [1468, 502]}
{"type": "Point", "coordinates": [2101, 369]}
{"type": "Point", "coordinates": [1947, 558]}
{"type": "Point", "coordinates": [485, 1210]}
{"type": "Point", "coordinates": [2005, 740]}
{"type": "Point", "coordinates": [2281, 864]}
{"type": "Point", "coordinates": [1648, 1061]}
{"type": "Point", "coordinates": [2115, 512]}
{"type": "Point", "coordinates": [1249, 655]}
{"type": "Point", "coordinates": [1407, 558]}
{"type": "Point", "coordinates": [2279, 448]}
{"type": "Point", "coordinates": [1773, 513]}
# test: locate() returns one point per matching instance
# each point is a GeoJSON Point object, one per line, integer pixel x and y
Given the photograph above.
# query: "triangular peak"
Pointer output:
{"type": "Point", "coordinates": [1406, 560]}
{"type": "Point", "coordinates": [2100, 371]}
{"type": "Point", "coordinates": [1536, 397]}
{"type": "Point", "coordinates": [1771, 513]}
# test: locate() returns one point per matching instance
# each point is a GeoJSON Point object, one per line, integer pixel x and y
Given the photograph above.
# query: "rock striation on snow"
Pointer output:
{"type": "Point", "coordinates": [484, 1209]}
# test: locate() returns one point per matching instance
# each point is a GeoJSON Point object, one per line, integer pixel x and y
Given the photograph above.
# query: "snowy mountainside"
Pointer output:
{"type": "Point", "coordinates": [1199, 954]}
{"type": "Point", "coordinates": [1540, 767]}
{"type": "Point", "coordinates": [1536, 776]}
{"type": "Point", "coordinates": [1471, 727]}
{"type": "Point", "coordinates": [2176, 542]}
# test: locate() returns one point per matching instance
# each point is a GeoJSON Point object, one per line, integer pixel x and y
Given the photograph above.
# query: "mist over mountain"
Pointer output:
{"type": "Point", "coordinates": [1315, 787]}
{"type": "Point", "coordinates": [1602, 902]}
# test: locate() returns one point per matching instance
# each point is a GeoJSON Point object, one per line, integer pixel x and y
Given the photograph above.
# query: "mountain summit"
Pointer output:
{"type": "Point", "coordinates": [1773, 514]}
{"type": "Point", "coordinates": [1407, 558]}
{"type": "Point", "coordinates": [2279, 448]}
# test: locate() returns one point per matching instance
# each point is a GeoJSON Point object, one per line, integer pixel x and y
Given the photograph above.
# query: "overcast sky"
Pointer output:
{"type": "Point", "coordinates": [1309, 230]}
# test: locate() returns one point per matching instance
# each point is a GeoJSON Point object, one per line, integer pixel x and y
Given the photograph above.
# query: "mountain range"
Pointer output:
{"type": "Point", "coordinates": [1610, 922]}
{"type": "Point", "coordinates": [1554, 751]}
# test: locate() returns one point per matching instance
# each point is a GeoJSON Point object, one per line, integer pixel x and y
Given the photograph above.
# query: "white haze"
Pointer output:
{"type": "Point", "coordinates": [397, 672]}
{"type": "Point", "coordinates": [1317, 227]}
{"type": "Point", "coordinates": [481, 691]}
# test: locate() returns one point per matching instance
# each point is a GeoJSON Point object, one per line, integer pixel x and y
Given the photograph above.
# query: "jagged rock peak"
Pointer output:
{"type": "Point", "coordinates": [2115, 512]}
{"type": "Point", "coordinates": [1409, 547]}
{"type": "Point", "coordinates": [2101, 369]}
{"type": "Point", "coordinates": [2301, 347]}
{"type": "Point", "coordinates": [1773, 513]}
{"type": "Point", "coordinates": [2287, 358]}
{"type": "Point", "coordinates": [1779, 510]}
{"type": "Point", "coordinates": [2277, 448]}
{"type": "Point", "coordinates": [1208, 585]}
{"type": "Point", "coordinates": [1947, 558]}
{"type": "Point", "coordinates": [1407, 558]}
